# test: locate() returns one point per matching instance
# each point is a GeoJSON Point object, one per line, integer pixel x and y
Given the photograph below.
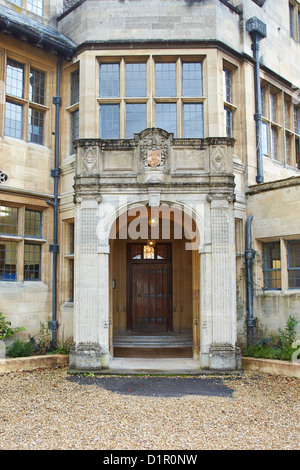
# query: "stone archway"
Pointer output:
{"type": "Point", "coordinates": [154, 279]}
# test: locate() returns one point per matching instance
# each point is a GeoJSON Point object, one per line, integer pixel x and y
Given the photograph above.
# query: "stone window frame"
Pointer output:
{"type": "Point", "coordinates": [291, 132]}
{"type": "Point", "coordinates": [72, 108]}
{"type": "Point", "coordinates": [22, 240]}
{"type": "Point", "coordinates": [290, 268]}
{"type": "Point", "coordinates": [69, 247]}
{"type": "Point", "coordinates": [229, 106]}
{"type": "Point", "coordinates": [258, 267]}
{"type": "Point", "coordinates": [151, 100]}
{"type": "Point", "coordinates": [26, 104]}
{"type": "Point", "coordinates": [37, 7]}
{"type": "Point", "coordinates": [274, 271]}
{"type": "Point", "coordinates": [294, 20]}
{"type": "Point", "coordinates": [272, 110]}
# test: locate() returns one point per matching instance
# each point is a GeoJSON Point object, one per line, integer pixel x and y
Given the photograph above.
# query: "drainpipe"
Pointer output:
{"type": "Point", "coordinates": [54, 247]}
{"type": "Point", "coordinates": [249, 255]}
{"type": "Point", "coordinates": [258, 31]}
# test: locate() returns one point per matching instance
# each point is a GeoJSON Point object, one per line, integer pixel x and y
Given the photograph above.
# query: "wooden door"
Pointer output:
{"type": "Point", "coordinates": [149, 288]}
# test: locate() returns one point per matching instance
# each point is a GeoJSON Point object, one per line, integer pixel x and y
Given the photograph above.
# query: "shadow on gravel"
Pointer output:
{"type": "Point", "coordinates": [158, 386]}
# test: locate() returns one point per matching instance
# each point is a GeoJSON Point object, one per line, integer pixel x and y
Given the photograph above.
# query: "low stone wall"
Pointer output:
{"type": "Point", "coordinates": [33, 362]}
{"type": "Point", "coordinates": [290, 369]}
{"type": "Point", "coordinates": [269, 366]}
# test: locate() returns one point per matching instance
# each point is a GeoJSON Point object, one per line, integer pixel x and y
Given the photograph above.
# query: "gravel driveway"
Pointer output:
{"type": "Point", "coordinates": [49, 409]}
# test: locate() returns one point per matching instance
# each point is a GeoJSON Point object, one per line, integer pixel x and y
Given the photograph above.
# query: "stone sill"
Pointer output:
{"type": "Point", "coordinates": [270, 366]}
{"type": "Point", "coordinates": [33, 362]}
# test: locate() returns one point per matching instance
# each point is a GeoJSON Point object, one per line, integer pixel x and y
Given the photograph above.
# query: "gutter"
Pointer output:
{"type": "Point", "coordinates": [36, 36]}
{"type": "Point", "coordinates": [258, 31]}
{"type": "Point", "coordinates": [249, 255]}
{"type": "Point", "coordinates": [54, 247]}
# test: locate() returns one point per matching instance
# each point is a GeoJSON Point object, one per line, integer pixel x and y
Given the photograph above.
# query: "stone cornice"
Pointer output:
{"type": "Point", "coordinates": [273, 185]}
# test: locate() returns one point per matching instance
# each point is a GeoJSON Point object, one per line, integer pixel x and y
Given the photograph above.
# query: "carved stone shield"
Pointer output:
{"type": "Point", "coordinates": [154, 147]}
{"type": "Point", "coordinates": [154, 158]}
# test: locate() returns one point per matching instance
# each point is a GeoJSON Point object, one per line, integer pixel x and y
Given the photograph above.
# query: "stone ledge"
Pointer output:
{"type": "Point", "coordinates": [33, 362]}
{"type": "Point", "coordinates": [290, 369]}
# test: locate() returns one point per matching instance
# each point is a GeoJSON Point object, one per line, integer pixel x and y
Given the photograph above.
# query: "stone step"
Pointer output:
{"type": "Point", "coordinates": [141, 341]}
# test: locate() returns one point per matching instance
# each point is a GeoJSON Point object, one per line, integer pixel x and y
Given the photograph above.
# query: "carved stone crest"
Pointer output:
{"type": "Point", "coordinates": [154, 147]}
{"type": "Point", "coordinates": [90, 162]}
{"type": "Point", "coordinates": [218, 159]}
{"type": "Point", "coordinates": [154, 157]}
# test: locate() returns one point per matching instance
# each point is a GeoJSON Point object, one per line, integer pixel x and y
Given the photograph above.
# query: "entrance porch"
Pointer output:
{"type": "Point", "coordinates": [131, 295]}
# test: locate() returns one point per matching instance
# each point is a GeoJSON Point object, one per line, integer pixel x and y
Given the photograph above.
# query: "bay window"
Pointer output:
{"type": "Point", "coordinates": [150, 92]}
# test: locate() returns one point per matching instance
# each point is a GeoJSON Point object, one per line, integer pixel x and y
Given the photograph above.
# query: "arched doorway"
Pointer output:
{"type": "Point", "coordinates": [155, 285]}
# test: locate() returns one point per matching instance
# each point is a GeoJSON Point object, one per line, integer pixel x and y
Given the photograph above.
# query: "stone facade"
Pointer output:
{"type": "Point", "coordinates": [216, 179]}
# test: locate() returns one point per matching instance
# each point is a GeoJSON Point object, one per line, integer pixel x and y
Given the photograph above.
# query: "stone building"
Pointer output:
{"type": "Point", "coordinates": [149, 174]}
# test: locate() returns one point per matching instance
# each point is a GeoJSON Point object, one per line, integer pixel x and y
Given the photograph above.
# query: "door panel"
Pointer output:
{"type": "Point", "coordinates": [149, 295]}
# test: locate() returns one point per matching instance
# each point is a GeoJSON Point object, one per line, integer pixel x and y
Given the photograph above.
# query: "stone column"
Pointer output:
{"type": "Point", "coordinates": [91, 279]}
{"type": "Point", "coordinates": [91, 333]}
{"type": "Point", "coordinates": [223, 353]}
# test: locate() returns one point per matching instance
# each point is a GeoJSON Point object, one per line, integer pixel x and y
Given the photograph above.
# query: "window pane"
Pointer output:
{"type": "Point", "coordinates": [71, 238]}
{"type": "Point", "coordinates": [166, 117]}
{"type": "Point", "coordinates": [36, 126]}
{"type": "Point", "coordinates": [287, 115]}
{"type": "Point", "coordinates": [274, 136]}
{"type": "Point", "coordinates": [161, 252]}
{"type": "Point", "coordinates": [272, 265]}
{"type": "Point", "coordinates": [273, 107]}
{"type": "Point", "coordinates": [8, 220]}
{"type": "Point", "coordinates": [110, 121]}
{"type": "Point", "coordinates": [75, 87]}
{"type": "Point", "coordinates": [36, 6]}
{"type": "Point", "coordinates": [288, 149]}
{"type": "Point", "coordinates": [265, 138]}
{"type": "Point", "coordinates": [149, 252]}
{"type": "Point", "coordinates": [294, 264]}
{"type": "Point", "coordinates": [136, 252]}
{"type": "Point", "coordinates": [263, 101]}
{"type": "Point", "coordinates": [32, 262]}
{"type": "Point", "coordinates": [291, 11]}
{"type": "Point", "coordinates": [37, 86]}
{"type": "Point", "coordinates": [193, 120]}
{"type": "Point", "coordinates": [228, 122]}
{"type": "Point", "coordinates": [192, 79]}
{"type": "Point", "coordinates": [166, 79]}
{"type": "Point", "coordinates": [294, 254]}
{"type": "Point", "coordinates": [136, 119]}
{"type": "Point", "coordinates": [74, 129]}
{"type": "Point", "coordinates": [136, 82]}
{"type": "Point", "coordinates": [8, 261]}
{"type": "Point", "coordinates": [33, 223]}
{"type": "Point", "coordinates": [109, 80]}
{"type": "Point", "coordinates": [71, 280]}
{"type": "Point", "coordinates": [13, 120]}
{"type": "Point", "coordinates": [297, 143]}
{"type": "Point", "coordinates": [227, 85]}
{"type": "Point", "coordinates": [15, 78]}
{"type": "Point", "coordinates": [296, 120]}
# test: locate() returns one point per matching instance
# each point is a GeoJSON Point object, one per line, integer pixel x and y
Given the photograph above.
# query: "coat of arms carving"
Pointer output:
{"type": "Point", "coordinates": [154, 147]}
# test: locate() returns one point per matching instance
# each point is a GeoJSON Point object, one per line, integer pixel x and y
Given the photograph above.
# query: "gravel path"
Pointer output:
{"type": "Point", "coordinates": [48, 409]}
